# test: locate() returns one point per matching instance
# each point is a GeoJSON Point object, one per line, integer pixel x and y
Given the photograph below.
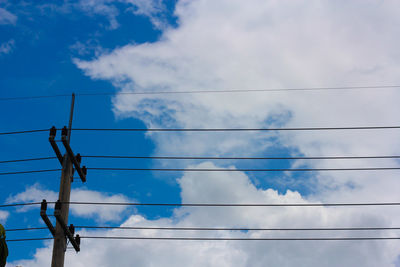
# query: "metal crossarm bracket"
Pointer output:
{"type": "Point", "coordinates": [75, 159]}
{"type": "Point", "coordinates": [45, 218]}
{"type": "Point", "coordinates": [53, 132]}
{"type": "Point", "coordinates": [68, 231]}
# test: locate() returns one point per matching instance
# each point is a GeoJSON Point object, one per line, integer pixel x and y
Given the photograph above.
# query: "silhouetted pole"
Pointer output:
{"type": "Point", "coordinates": [60, 240]}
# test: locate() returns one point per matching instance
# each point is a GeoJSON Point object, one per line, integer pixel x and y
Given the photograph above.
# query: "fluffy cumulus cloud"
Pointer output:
{"type": "Point", "coordinates": [36, 193]}
{"type": "Point", "coordinates": [234, 45]}
{"type": "Point", "coordinates": [197, 188]}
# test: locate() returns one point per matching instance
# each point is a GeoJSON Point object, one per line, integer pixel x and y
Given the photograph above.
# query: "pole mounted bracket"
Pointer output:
{"type": "Point", "coordinates": [43, 209]}
{"type": "Point", "coordinates": [69, 231]}
{"type": "Point", "coordinates": [76, 160]}
{"type": "Point", "coordinates": [53, 133]}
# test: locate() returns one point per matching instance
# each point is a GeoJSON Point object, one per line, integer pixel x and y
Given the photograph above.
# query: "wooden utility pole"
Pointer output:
{"type": "Point", "coordinates": [60, 239]}
{"type": "Point", "coordinates": [62, 232]}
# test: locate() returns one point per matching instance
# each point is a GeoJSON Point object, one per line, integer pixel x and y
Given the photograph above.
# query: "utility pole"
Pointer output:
{"type": "Point", "coordinates": [62, 232]}
{"type": "Point", "coordinates": [60, 241]}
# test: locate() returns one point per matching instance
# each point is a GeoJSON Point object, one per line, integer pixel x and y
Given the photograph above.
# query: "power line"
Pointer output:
{"type": "Point", "coordinates": [218, 238]}
{"type": "Point", "coordinates": [212, 204]}
{"type": "Point", "coordinates": [238, 158]}
{"type": "Point", "coordinates": [29, 239]}
{"type": "Point", "coordinates": [241, 239]}
{"type": "Point", "coordinates": [213, 158]}
{"type": "Point", "coordinates": [216, 228]}
{"type": "Point", "coordinates": [212, 129]}
{"type": "Point", "coordinates": [20, 204]}
{"type": "Point", "coordinates": [23, 160]}
{"type": "Point", "coordinates": [25, 229]}
{"type": "Point", "coordinates": [30, 171]}
{"type": "Point", "coordinates": [236, 129]}
{"type": "Point", "coordinates": [212, 170]}
{"type": "Point", "coordinates": [244, 170]}
{"type": "Point", "coordinates": [236, 204]}
{"type": "Point", "coordinates": [207, 91]}
{"type": "Point", "coordinates": [24, 131]}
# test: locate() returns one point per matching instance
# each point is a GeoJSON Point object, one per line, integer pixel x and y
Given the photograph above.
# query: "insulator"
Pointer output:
{"type": "Point", "coordinates": [84, 170]}
{"type": "Point", "coordinates": [43, 206]}
{"type": "Point", "coordinates": [78, 158]}
{"type": "Point", "coordinates": [53, 131]}
{"type": "Point", "coordinates": [64, 131]}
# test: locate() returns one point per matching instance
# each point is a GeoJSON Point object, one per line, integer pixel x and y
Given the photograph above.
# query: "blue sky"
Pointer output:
{"type": "Point", "coordinates": [149, 46]}
{"type": "Point", "coordinates": [40, 63]}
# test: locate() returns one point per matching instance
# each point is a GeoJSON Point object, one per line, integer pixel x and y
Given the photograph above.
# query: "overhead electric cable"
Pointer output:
{"type": "Point", "coordinates": [25, 229]}
{"type": "Point", "coordinates": [236, 204]}
{"type": "Point", "coordinates": [237, 228]}
{"type": "Point", "coordinates": [236, 129]}
{"type": "Point", "coordinates": [213, 129]}
{"type": "Point", "coordinates": [213, 158]}
{"type": "Point", "coordinates": [207, 91]}
{"type": "Point", "coordinates": [24, 131]}
{"type": "Point", "coordinates": [214, 228]}
{"type": "Point", "coordinates": [20, 204]}
{"type": "Point", "coordinates": [243, 170]}
{"type": "Point", "coordinates": [242, 239]}
{"type": "Point", "coordinates": [212, 170]}
{"type": "Point", "coordinates": [30, 171]}
{"type": "Point", "coordinates": [210, 204]}
{"type": "Point", "coordinates": [29, 239]}
{"type": "Point", "coordinates": [218, 238]}
{"type": "Point", "coordinates": [237, 158]}
{"type": "Point", "coordinates": [30, 159]}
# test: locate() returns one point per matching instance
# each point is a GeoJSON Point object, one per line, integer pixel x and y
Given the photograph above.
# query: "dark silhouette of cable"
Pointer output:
{"type": "Point", "coordinates": [213, 158]}
{"type": "Point", "coordinates": [215, 228]}
{"type": "Point", "coordinates": [24, 131]}
{"type": "Point", "coordinates": [207, 91]}
{"type": "Point", "coordinates": [238, 228]}
{"type": "Point", "coordinates": [237, 204]}
{"type": "Point", "coordinates": [33, 97]}
{"type": "Point", "coordinates": [237, 158]}
{"type": "Point", "coordinates": [212, 129]}
{"type": "Point", "coordinates": [23, 160]}
{"type": "Point", "coordinates": [212, 170]}
{"type": "Point", "coordinates": [243, 170]}
{"type": "Point", "coordinates": [235, 129]}
{"type": "Point", "coordinates": [21, 204]}
{"type": "Point", "coordinates": [29, 239]}
{"type": "Point", "coordinates": [217, 238]}
{"type": "Point", "coordinates": [242, 239]}
{"type": "Point", "coordinates": [30, 171]}
{"type": "Point", "coordinates": [211, 204]}
{"type": "Point", "coordinates": [25, 229]}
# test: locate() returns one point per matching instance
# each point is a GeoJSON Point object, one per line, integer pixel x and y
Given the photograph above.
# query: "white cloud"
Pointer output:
{"type": "Point", "coordinates": [258, 45]}
{"type": "Point", "coordinates": [6, 17]}
{"type": "Point", "coordinates": [36, 193]}
{"type": "Point", "coordinates": [110, 9]}
{"type": "Point", "coordinates": [3, 216]}
{"type": "Point", "coordinates": [101, 8]}
{"type": "Point", "coordinates": [7, 47]}
{"type": "Point", "coordinates": [87, 48]}
{"type": "Point", "coordinates": [223, 187]}
{"type": "Point", "coordinates": [273, 44]}
{"type": "Point", "coordinates": [100, 213]}
{"type": "Point", "coordinates": [153, 9]}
